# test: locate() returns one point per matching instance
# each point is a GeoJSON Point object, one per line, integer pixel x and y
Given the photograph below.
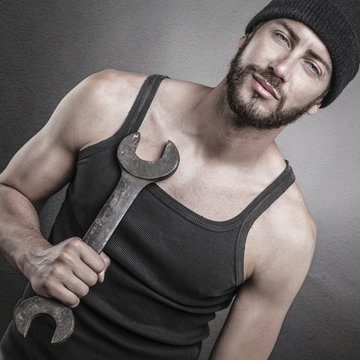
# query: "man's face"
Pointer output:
{"type": "Point", "coordinates": [282, 71]}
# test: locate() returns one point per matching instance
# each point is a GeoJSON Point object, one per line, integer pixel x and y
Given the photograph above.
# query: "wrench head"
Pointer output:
{"type": "Point", "coordinates": [150, 170]}
{"type": "Point", "coordinates": [36, 305]}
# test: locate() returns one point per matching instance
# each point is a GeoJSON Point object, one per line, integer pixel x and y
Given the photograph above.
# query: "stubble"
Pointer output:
{"type": "Point", "coordinates": [246, 112]}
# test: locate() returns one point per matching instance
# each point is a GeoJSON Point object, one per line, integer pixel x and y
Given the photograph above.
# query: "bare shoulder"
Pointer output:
{"type": "Point", "coordinates": [99, 104]}
{"type": "Point", "coordinates": [112, 82]}
{"type": "Point", "coordinates": [289, 217]}
{"type": "Point", "coordinates": [110, 85]}
{"type": "Point", "coordinates": [93, 109]}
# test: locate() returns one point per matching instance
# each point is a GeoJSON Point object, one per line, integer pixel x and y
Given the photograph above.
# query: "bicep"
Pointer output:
{"type": "Point", "coordinates": [40, 168]}
{"type": "Point", "coordinates": [47, 161]}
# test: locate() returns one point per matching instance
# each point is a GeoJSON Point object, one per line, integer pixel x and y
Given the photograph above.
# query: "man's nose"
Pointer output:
{"type": "Point", "coordinates": [282, 67]}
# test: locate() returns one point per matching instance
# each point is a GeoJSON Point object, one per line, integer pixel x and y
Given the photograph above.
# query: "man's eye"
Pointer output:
{"type": "Point", "coordinates": [282, 38]}
{"type": "Point", "coordinates": [314, 68]}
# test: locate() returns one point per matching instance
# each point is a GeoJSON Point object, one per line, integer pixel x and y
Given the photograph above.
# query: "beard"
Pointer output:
{"type": "Point", "coordinates": [247, 112]}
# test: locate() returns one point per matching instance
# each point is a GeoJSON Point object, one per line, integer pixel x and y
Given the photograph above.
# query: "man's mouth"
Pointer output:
{"type": "Point", "coordinates": [263, 88]}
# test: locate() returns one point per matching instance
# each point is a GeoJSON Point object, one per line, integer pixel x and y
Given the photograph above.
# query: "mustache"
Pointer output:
{"type": "Point", "coordinates": [268, 75]}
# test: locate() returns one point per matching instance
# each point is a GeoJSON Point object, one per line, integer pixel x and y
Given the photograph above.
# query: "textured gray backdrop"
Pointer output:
{"type": "Point", "coordinates": [47, 47]}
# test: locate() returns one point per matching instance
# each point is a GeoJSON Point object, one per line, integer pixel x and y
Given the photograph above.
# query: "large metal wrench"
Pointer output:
{"type": "Point", "coordinates": [136, 174]}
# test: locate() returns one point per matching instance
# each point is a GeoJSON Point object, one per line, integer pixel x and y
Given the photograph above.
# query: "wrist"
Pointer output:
{"type": "Point", "coordinates": [31, 250]}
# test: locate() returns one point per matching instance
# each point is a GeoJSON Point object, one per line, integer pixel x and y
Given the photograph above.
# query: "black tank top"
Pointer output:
{"type": "Point", "coordinates": [171, 269]}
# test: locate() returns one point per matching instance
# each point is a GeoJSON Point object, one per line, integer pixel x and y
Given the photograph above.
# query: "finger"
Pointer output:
{"type": "Point", "coordinates": [74, 284]}
{"type": "Point", "coordinates": [70, 264]}
{"type": "Point", "coordinates": [77, 287]}
{"type": "Point", "coordinates": [106, 259]}
{"type": "Point", "coordinates": [101, 275]}
{"type": "Point", "coordinates": [84, 273]}
{"type": "Point", "coordinates": [91, 258]}
{"type": "Point", "coordinates": [64, 295]}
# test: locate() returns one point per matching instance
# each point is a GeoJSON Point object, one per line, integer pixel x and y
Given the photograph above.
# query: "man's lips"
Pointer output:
{"type": "Point", "coordinates": [264, 88]}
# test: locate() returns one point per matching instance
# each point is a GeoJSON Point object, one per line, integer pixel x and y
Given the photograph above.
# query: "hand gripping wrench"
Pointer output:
{"type": "Point", "coordinates": [136, 174]}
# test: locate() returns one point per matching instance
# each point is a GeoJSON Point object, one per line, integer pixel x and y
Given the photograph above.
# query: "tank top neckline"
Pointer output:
{"type": "Point", "coordinates": [222, 225]}
{"type": "Point", "coordinates": [132, 124]}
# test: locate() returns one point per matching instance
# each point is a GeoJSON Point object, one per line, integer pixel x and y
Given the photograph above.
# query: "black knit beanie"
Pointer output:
{"type": "Point", "coordinates": [336, 22]}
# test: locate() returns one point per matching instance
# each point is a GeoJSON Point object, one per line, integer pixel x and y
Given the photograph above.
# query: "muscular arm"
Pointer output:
{"type": "Point", "coordinates": [258, 311]}
{"type": "Point", "coordinates": [39, 169]}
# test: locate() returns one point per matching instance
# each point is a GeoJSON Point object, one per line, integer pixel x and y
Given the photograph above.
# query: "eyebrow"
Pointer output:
{"type": "Point", "coordinates": [290, 30]}
{"type": "Point", "coordinates": [309, 52]}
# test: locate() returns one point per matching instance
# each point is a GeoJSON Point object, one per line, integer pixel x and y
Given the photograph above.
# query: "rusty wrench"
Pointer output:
{"type": "Point", "coordinates": [136, 174]}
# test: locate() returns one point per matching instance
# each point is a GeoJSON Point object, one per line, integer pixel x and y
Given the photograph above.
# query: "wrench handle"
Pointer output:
{"type": "Point", "coordinates": [102, 228]}
{"type": "Point", "coordinates": [114, 210]}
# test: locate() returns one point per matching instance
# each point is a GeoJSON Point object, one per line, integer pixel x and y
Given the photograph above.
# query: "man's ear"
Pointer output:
{"type": "Point", "coordinates": [242, 40]}
{"type": "Point", "coordinates": [314, 109]}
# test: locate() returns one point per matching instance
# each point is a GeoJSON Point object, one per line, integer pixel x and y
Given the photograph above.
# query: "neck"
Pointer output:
{"type": "Point", "coordinates": [219, 136]}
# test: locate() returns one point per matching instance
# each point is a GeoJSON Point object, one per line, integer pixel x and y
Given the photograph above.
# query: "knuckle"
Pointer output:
{"type": "Point", "coordinates": [47, 284]}
{"type": "Point", "coordinates": [66, 258]}
{"type": "Point", "coordinates": [56, 270]}
{"type": "Point", "coordinates": [75, 243]}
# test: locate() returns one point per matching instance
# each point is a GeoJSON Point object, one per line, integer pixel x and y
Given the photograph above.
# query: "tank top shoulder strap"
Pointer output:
{"type": "Point", "coordinates": [142, 103]}
{"type": "Point", "coordinates": [134, 117]}
{"type": "Point", "coordinates": [261, 203]}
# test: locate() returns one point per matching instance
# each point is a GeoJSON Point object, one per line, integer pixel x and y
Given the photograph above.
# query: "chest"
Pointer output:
{"type": "Point", "coordinates": [160, 240]}
{"type": "Point", "coordinates": [213, 197]}
{"type": "Point", "coordinates": [215, 192]}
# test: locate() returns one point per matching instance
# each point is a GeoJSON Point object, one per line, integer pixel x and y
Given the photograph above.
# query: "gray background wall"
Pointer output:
{"type": "Point", "coordinates": [47, 47]}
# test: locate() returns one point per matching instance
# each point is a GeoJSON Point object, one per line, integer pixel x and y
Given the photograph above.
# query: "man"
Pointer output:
{"type": "Point", "coordinates": [229, 224]}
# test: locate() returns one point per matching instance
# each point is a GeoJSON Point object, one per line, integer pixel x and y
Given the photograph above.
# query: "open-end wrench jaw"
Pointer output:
{"type": "Point", "coordinates": [155, 170]}
{"type": "Point", "coordinates": [62, 314]}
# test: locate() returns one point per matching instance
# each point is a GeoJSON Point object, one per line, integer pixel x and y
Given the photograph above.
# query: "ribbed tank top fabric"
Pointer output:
{"type": "Point", "coordinates": [171, 269]}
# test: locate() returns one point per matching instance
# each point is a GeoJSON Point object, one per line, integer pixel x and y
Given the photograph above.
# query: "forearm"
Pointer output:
{"type": "Point", "coordinates": [19, 229]}
{"type": "Point", "coordinates": [64, 271]}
